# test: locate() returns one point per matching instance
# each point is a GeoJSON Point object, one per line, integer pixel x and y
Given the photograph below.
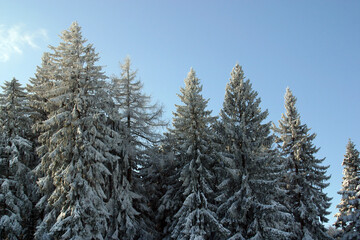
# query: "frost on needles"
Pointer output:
{"type": "Point", "coordinates": [348, 217]}
{"type": "Point", "coordinates": [75, 142]}
{"type": "Point", "coordinates": [18, 191]}
{"type": "Point", "coordinates": [305, 176]}
{"type": "Point", "coordinates": [196, 218]}
{"type": "Point", "coordinates": [248, 191]}
{"type": "Point", "coordinates": [103, 170]}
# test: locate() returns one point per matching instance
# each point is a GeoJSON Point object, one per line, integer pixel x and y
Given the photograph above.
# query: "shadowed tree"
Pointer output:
{"type": "Point", "coordinates": [17, 183]}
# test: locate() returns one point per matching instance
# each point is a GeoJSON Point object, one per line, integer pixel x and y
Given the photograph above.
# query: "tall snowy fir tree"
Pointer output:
{"type": "Point", "coordinates": [17, 183]}
{"type": "Point", "coordinates": [75, 142]}
{"type": "Point", "coordinates": [37, 88]}
{"type": "Point", "coordinates": [249, 188]}
{"type": "Point", "coordinates": [305, 177]}
{"type": "Point", "coordinates": [138, 119]}
{"type": "Point", "coordinates": [196, 218]}
{"type": "Point", "coordinates": [348, 217]}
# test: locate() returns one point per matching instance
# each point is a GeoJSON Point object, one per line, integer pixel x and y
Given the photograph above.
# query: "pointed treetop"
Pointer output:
{"type": "Point", "coordinates": [126, 65]}
{"type": "Point", "coordinates": [74, 27]}
{"type": "Point", "coordinates": [236, 80]}
{"type": "Point", "coordinates": [290, 101]}
{"type": "Point", "coordinates": [290, 98]}
{"type": "Point", "coordinates": [13, 88]}
{"type": "Point", "coordinates": [350, 144]}
{"type": "Point", "coordinates": [240, 99]}
{"type": "Point", "coordinates": [351, 152]}
{"type": "Point", "coordinates": [238, 70]}
{"type": "Point", "coordinates": [127, 62]}
{"type": "Point", "coordinates": [73, 34]}
{"type": "Point", "coordinates": [191, 78]}
{"type": "Point", "coordinates": [237, 74]}
{"type": "Point", "coordinates": [192, 82]}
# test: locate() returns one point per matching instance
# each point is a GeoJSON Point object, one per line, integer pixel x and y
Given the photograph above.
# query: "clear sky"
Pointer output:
{"type": "Point", "coordinates": [311, 46]}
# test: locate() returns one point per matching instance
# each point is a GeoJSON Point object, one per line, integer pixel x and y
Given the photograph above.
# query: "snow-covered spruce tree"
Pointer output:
{"type": "Point", "coordinates": [249, 188]}
{"type": "Point", "coordinates": [305, 175]}
{"type": "Point", "coordinates": [76, 142]}
{"type": "Point", "coordinates": [348, 217]}
{"type": "Point", "coordinates": [17, 183]}
{"type": "Point", "coordinates": [166, 196]}
{"type": "Point", "coordinates": [196, 218]}
{"type": "Point", "coordinates": [138, 120]}
{"type": "Point", "coordinates": [37, 89]}
{"type": "Point", "coordinates": [15, 110]}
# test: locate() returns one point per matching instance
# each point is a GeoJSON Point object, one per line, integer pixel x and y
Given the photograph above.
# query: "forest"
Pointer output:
{"type": "Point", "coordinates": [85, 156]}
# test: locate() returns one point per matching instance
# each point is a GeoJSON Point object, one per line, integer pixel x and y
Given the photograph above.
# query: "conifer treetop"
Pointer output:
{"type": "Point", "coordinates": [348, 217]}
{"type": "Point", "coordinates": [290, 101]}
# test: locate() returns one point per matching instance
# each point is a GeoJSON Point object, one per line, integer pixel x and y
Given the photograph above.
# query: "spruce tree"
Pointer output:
{"type": "Point", "coordinates": [75, 142]}
{"type": "Point", "coordinates": [17, 183]}
{"type": "Point", "coordinates": [137, 119]}
{"type": "Point", "coordinates": [305, 177]}
{"type": "Point", "coordinates": [163, 177]}
{"type": "Point", "coordinates": [248, 189]}
{"type": "Point", "coordinates": [37, 88]}
{"type": "Point", "coordinates": [348, 217]}
{"type": "Point", "coordinates": [194, 150]}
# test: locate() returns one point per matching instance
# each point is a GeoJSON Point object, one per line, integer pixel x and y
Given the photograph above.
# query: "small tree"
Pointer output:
{"type": "Point", "coordinates": [305, 176]}
{"type": "Point", "coordinates": [348, 217]}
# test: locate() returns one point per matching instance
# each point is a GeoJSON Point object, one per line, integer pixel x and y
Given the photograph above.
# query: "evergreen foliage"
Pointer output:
{"type": "Point", "coordinates": [14, 110]}
{"type": "Point", "coordinates": [305, 177]}
{"type": "Point", "coordinates": [37, 88]}
{"type": "Point", "coordinates": [76, 142]}
{"type": "Point", "coordinates": [165, 185]}
{"type": "Point", "coordinates": [138, 120]}
{"type": "Point", "coordinates": [196, 218]}
{"type": "Point", "coordinates": [105, 172]}
{"type": "Point", "coordinates": [348, 217]}
{"type": "Point", "coordinates": [17, 183]}
{"type": "Point", "coordinates": [249, 189]}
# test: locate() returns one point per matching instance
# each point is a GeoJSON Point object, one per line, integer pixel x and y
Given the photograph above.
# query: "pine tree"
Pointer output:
{"type": "Point", "coordinates": [17, 183]}
{"type": "Point", "coordinates": [305, 176]}
{"type": "Point", "coordinates": [138, 120]}
{"type": "Point", "coordinates": [249, 188]}
{"type": "Point", "coordinates": [348, 218]}
{"type": "Point", "coordinates": [196, 218]}
{"type": "Point", "coordinates": [75, 142]}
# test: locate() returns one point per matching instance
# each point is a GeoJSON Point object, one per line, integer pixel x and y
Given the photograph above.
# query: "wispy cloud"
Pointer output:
{"type": "Point", "coordinates": [14, 39]}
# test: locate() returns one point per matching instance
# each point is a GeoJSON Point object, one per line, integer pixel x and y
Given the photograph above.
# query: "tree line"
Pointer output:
{"type": "Point", "coordinates": [82, 157]}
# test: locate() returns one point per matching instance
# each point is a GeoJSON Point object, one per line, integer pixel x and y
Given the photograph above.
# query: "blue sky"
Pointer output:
{"type": "Point", "coordinates": [313, 47]}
